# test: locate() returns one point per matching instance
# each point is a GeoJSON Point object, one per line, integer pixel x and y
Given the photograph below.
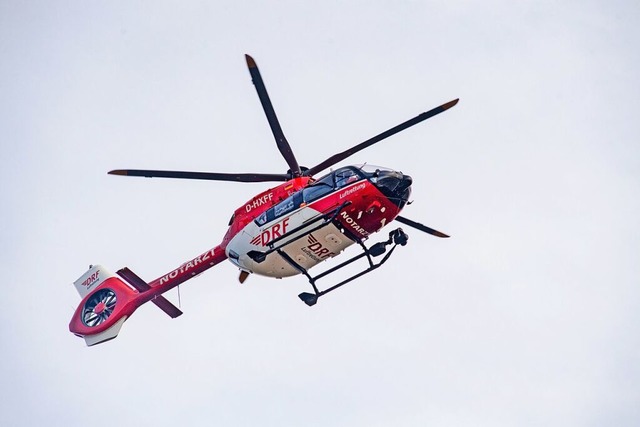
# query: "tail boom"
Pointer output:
{"type": "Point", "coordinates": [108, 300]}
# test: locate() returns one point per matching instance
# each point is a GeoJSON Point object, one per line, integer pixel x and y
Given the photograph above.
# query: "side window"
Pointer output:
{"type": "Point", "coordinates": [316, 191]}
{"type": "Point", "coordinates": [262, 219]}
{"type": "Point", "coordinates": [286, 206]}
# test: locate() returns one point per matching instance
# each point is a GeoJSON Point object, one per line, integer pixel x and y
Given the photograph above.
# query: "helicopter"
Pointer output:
{"type": "Point", "coordinates": [283, 231]}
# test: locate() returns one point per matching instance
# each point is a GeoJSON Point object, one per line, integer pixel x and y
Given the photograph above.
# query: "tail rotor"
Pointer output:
{"type": "Point", "coordinates": [99, 307]}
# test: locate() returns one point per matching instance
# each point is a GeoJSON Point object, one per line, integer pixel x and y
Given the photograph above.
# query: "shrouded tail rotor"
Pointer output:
{"type": "Point", "coordinates": [107, 302]}
{"type": "Point", "coordinates": [99, 307]}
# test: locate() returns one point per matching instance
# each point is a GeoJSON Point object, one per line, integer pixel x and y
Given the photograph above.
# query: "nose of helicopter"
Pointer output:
{"type": "Point", "coordinates": [405, 182]}
{"type": "Point", "coordinates": [396, 186]}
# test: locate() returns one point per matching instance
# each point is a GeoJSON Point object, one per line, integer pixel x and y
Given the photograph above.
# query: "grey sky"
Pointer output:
{"type": "Point", "coordinates": [528, 315]}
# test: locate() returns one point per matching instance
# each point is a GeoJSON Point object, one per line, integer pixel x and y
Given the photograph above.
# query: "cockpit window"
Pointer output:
{"type": "Point", "coordinates": [345, 177]}
{"type": "Point", "coordinates": [323, 186]}
{"type": "Point", "coordinates": [326, 180]}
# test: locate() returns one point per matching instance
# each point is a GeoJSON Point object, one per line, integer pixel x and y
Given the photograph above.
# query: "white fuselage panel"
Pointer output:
{"type": "Point", "coordinates": [306, 249]}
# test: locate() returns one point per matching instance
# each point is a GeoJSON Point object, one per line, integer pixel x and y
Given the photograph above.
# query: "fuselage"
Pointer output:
{"type": "Point", "coordinates": [352, 202]}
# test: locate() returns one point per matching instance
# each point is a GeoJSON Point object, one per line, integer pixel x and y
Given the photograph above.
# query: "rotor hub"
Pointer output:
{"type": "Point", "coordinates": [100, 307]}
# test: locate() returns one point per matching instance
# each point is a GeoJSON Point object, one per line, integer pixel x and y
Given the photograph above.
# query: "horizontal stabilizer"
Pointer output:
{"type": "Point", "coordinates": [166, 306]}
{"type": "Point", "coordinates": [133, 279]}
{"type": "Point", "coordinates": [161, 302]}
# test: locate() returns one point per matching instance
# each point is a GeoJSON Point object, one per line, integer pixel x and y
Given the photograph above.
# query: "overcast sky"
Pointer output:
{"type": "Point", "coordinates": [527, 316]}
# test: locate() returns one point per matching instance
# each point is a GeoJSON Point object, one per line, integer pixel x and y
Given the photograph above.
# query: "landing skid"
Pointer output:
{"type": "Point", "coordinates": [396, 237]}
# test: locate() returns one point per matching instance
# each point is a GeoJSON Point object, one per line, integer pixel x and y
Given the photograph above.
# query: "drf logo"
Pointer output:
{"type": "Point", "coordinates": [316, 250]}
{"type": "Point", "coordinates": [271, 233]}
{"type": "Point", "coordinates": [89, 281]}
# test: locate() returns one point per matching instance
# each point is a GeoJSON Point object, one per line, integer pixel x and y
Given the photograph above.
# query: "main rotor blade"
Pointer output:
{"type": "Point", "coordinates": [211, 176]}
{"type": "Point", "coordinates": [420, 227]}
{"type": "Point", "coordinates": [281, 141]}
{"type": "Point", "coordinates": [341, 156]}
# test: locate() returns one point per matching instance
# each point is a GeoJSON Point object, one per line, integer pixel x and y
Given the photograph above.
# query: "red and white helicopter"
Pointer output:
{"type": "Point", "coordinates": [283, 231]}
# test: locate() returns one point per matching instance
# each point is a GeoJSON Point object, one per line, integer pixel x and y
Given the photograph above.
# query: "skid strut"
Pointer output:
{"type": "Point", "coordinates": [396, 237]}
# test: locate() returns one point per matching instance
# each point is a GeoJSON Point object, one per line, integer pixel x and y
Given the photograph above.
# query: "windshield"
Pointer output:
{"type": "Point", "coordinates": [371, 169]}
{"type": "Point", "coordinates": [332, 181]}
